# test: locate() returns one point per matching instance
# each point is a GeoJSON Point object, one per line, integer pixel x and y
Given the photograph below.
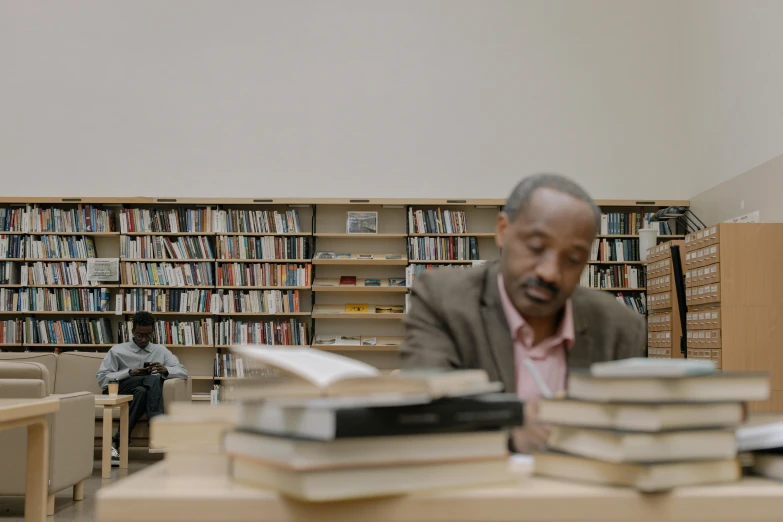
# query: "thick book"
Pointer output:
{"type": "Point", "coordinates": [639, 417]}
{"type": "Point", "coordinates": [309, 455]}
{"type": "Point", "coordinates": [344, 484]}
{"type": "Point", "coordinates": [619, 446]}
{"type": "Point", "coordinates": [347, 280]}
{"type": "Point", "coordinates": [311, 373]}
{"type": "Point", "coordinates": [714, 387]}
{"type": "Point", "coordinates": [644, 477]}
{"type": "Point", "coordinates": [325, 419]}
{"type": "Point", "coordinates": [645, 367]}
{"type": "Point", "coordinates": [769, 464]}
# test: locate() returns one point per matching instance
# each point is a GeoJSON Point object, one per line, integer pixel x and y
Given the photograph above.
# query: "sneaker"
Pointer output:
{"type": "Point", "coordinates": [115, 457]}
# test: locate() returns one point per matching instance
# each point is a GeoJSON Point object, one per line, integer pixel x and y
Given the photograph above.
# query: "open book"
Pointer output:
{"type": "Point", "coordinates": [314, 373]}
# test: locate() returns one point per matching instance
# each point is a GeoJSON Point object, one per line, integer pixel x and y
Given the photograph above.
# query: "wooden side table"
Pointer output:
{"type": "Point", "coordinates": [109, 402]}
{"type": "Point", "coordinates": [15, 413]}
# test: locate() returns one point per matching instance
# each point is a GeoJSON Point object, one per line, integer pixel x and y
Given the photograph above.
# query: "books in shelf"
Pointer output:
{"type": "Point", "coordinates": [68, 331]}
{"type": "Point", "coordinates": [257, 221]}
{"type": "Point", "coordinates": [166, 247]}
{"type": "Point", "coordinates": [264, 274]}
{"type": "Point", "coordinates": [60, 247]}
{"type": "Point", "coordinates": [443, 248]}
{"type": "Point", "coordinates": [54, 300]}
{"type": "Point", "coordinates": [11, 331]}
{"type": "Point", "coordinates": [174, 300]}
{"type": "Point", "coordinates": [265, 247]}
{"type": "Point", "coordinates": [437, 221]}
{"type": "Point", "coordinates": [629, 223]}
{"type": "Point", "coordinates": [256, 301]}
{"type": "Point", "coordinates": [172, 220]}
{"type": "Point", "coordinates": [617, 276]}
{"type": "Point", "coordinates": [54, 273]}
{"type": "Point", "coordinates": [167, 274]}
{"type": "Point", "coordinates": [13, 220]}
{"type": "Point", "coordinates": [83, 218]}
{"type": "Point", "coordinates": [274, 332]}
{"type": "Point", "coordinates": [12, 247]}
{"type": "Point", "coordinates": [615, 250]}
{"type": "Point", "coordinates": [9, 273]}
{"type": "Point", "coordinates": [393, 256]}
{"type": "Point", "coordinates": [182, 333]}
{"type": "Point", "coordinates": [636, 302]}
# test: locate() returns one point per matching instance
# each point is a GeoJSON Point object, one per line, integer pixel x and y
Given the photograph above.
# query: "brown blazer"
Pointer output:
{"type": "Point", "coordinates": [456, 320]}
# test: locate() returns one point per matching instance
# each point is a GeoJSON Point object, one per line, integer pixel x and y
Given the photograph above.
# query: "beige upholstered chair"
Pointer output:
{"type": "Point", "coordinates": [75, 372]}
{"type": "Point", "coordinates": [70, 429]}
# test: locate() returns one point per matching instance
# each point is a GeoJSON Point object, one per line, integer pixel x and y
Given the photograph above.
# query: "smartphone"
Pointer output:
{"type": "Point", "coordinates": [147, 364]}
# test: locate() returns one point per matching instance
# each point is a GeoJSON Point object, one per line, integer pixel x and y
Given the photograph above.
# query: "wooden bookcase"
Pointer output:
{"type": "Point", "coordinates": [664, 322]}
{"type": "Point", "coordinates": [735, 300]}
{"type": "Point", "coordinates": [322, 304]}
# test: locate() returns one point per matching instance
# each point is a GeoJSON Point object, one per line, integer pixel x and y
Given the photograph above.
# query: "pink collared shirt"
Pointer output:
{"type": "Point", "coordinates": [549, 356]}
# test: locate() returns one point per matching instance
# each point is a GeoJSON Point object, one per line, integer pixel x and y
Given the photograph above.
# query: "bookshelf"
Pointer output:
{"type": "Point", "coordinates": [228, 247]}
{"type": "Point", "coordinates": [664, 319]}
{"type": "Point", "coordinates": [734, 293]}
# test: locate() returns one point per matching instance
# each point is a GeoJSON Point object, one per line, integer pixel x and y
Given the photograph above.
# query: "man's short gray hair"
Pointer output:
{"type": "Point", "coordinates": [519, 200]}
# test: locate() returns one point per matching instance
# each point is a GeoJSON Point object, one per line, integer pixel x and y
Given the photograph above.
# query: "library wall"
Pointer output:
{"type": "Point", "coordinates": [733, 80]}
{"type": "Point", "coordinates": [444, 98]}
{"type": "Point", "coordinates": [759, 189]}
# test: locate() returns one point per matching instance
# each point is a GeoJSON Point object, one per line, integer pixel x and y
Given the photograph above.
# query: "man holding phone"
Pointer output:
{"type": "Point", "coordinates": [140, 366]}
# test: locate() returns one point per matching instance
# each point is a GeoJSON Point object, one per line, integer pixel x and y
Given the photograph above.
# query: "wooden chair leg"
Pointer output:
{"type": "Point", "coordinates": [49, 505]}
{"type": "Point", "coordinates": [78, 491]}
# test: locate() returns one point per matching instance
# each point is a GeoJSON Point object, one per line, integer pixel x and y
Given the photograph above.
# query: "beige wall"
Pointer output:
{"type": "Point", "coordinates": [733, 80]}
{"type": "Point", "coordinates": [760, 189]}
{"type": "Point", "coordinates": [314, 98]}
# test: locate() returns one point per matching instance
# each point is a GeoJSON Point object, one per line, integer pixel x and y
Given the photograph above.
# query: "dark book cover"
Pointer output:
{"type": "Point", "coordinates": [348, 280]}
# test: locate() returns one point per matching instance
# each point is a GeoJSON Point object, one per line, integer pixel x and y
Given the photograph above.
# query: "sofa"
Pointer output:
{"type": "Point", "coordinates": [75, 372]}
{"type": "Point", "coordinates": [71, 439]}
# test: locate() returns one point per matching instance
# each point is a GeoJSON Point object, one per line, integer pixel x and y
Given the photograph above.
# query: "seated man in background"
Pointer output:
{"type": "Point", "coordinates": [524, 318]}
{"type": "Point", "coordinates": [140, 368]}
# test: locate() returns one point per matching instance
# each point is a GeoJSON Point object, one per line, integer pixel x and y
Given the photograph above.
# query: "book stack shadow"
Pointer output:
{"type": "Point", "coordinates": [649, 424]}
{"type": "Point", "coordinates": [335, 429]}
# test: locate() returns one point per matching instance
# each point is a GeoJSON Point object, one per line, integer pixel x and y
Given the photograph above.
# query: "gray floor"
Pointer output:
{"type": "Point", "coordinates": [65, 509]}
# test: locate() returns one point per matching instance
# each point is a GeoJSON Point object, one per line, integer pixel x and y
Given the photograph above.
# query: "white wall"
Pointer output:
{"type": "Point", "coordinates": [340, 98]}
{"type": "Point", "coordinates": [733, 63]}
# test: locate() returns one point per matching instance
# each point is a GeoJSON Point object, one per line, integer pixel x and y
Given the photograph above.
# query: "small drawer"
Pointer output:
{"type": "Point", "coordinates": [657, 322]}
{"type": "Point", "coordinates": [703, 319]}
{"type": "Point", "coordinates": [703, 339]}
{"type": "Point", "coordinates": [708, 274]}
{"type": "Point", "coordinates": [659, 353]}
{"type": "Point", "coordinates": [658, 301]}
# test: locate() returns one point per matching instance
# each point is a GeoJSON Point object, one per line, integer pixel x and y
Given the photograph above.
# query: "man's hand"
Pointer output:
{"type": "Point", "coordinates": [532, 436]}
{"type": "Point", "coordinates": [139, 371]}
{"type": "Point", "coordinates": [157, 368]}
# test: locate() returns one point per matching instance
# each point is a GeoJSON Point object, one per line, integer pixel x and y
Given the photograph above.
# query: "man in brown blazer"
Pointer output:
{"type": "Point", "coordinates": [524, 318]}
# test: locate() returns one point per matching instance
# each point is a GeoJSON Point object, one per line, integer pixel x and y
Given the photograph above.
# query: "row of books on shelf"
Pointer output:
{"type": "Point", "coordinates": [437, 221]}
{"type": "Point", "coordinates": [615, 250]}
{"type": "Point", "coordinates": [265, 247]}
{"type": "Point", "coordinates": [81, 331]}
{"type": "Point", "coordinates": [619, 276]}
{"type": "Point", "coordinates": [232, 365]}
{"type": "Point", "coordinates": [59, 247]}
{"type": "Point", "coordinates": [358, 256]}
{"type": "Point", "coordinates": [443, 248]}
{"type": "Point", "coordinates": [637, 301]}
{"type": "Point", "coordinates": [83, 218]}
{"type": "Point", "coordinates": [54, 299]}
{"type": "Point", "coordinates": [264, 274]}
{"type": "Point", "coordinates": [208, 219]}
{"type": "Point", "coordinates": [11, 247]}
{"type": "Point", "coordinates": [630, 223]}
{"type": "Point", "coordinates": [166, 247]}
{"type": "Point", "coordinates": [211, 301]}
{"type": "Point", "coordinates": [168, 274]}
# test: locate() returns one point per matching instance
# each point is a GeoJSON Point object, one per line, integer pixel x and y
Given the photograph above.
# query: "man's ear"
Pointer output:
{"type": "Point", "coordinates": [501, 226]}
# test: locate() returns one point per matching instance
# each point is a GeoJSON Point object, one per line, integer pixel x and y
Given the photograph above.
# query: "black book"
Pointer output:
{"type": "Point", "coordinates": [328, 420]}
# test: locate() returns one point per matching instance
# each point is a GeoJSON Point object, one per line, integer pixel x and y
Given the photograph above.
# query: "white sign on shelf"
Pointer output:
{"type": "Point", "coordinates": [104, 269]}
{"type": "Point", "coordinates": [753, 217]}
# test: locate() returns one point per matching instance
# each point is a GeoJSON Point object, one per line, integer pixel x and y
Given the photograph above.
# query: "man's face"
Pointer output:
{"type": "Point", "coordinates": [142, 335]}
{"type": "Point", "coordinates": [545, 250]}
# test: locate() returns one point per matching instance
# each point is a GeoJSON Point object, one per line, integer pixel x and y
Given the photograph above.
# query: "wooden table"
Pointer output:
{"type": "Point", "coordinates": [15, 413]}
{"type": "Point", "coordinates": [154, 496]}
{"type": "Point", "coordinates": [109, 402]}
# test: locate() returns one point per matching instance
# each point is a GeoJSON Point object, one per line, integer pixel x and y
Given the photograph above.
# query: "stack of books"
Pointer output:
{"type": "Point", "coordinates": [337, 429]}
{"type": "Point", "coordinates": [650, 424]}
